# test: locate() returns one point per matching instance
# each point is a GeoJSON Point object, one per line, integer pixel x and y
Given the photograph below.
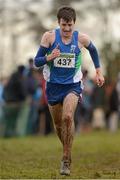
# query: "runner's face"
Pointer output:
{"type": "Point", "coordinates": [66, 27]}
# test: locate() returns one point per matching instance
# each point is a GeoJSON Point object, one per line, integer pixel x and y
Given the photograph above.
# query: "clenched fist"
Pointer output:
{"type": "Point", "coordinates": [99, 78]}
{"type": "Point", "coordinates": [54, 54]}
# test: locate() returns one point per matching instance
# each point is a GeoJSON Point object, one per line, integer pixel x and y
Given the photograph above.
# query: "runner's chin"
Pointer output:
{"type": "Point", "coordinates": [67, 34]}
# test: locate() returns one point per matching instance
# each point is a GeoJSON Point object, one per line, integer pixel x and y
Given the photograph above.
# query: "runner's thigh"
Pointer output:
{"type": "Point", "coordinates": [69, 105]}
{"type": "Point", "coordinates": [56, 112]}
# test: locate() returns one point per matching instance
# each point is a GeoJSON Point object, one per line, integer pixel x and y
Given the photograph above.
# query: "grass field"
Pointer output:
{"type": "Point", "coordinates": [95, 156]}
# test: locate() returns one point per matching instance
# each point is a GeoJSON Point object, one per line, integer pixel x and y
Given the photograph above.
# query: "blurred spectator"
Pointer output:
{"type": "Point", "coordinates": [14, 94]}
{"type": "Point", "coordinates": [45, 125]}
{"type": "Point", "coordinates": [118, 91]}
{"type": "Point", "coordinates": [34, 93]}
{"type": "Point", "coordinates": [29, 67]}
{"type": "Point", "coordinates": [30, 63]}
{"type": "Point", "coordinates": [1, 91]}
{"type": "Point", "coordinates": [15, 90]}
{"type": "Point", "coordinates": [98, 100]}
{"type": "Point", "coordinates": [112, 115]}
{"type": "Point", "coordinates": [2, 124]}
{"type": "Point", "coordinates": [84, 108]}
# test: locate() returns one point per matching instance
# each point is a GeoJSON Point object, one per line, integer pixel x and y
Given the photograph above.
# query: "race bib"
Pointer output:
{"type": "Point", "coordinates": [65, 60]}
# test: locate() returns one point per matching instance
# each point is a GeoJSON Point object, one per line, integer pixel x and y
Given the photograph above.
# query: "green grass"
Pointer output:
{"type": "Point", "coordinates": [95, 156]}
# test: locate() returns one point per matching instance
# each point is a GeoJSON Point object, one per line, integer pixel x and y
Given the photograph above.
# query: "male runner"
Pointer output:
{"type": "Point", "coordinates": [60, 53]}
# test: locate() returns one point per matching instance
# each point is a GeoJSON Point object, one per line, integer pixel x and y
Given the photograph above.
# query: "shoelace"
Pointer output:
{"type": "Point", "coordinates": [67, 164]}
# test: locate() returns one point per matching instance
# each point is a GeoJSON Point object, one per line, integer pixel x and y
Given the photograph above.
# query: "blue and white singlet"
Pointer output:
{"type": "Point", "coordinates": [65, 69]}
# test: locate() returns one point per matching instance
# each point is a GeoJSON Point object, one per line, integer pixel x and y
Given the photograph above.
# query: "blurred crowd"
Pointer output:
{"type": "Point", "coordinates": [100, 106]}
{"type": "Point", "coordinates": [23, 104]}
{"type": "Point", "coordinates": [24, 109]}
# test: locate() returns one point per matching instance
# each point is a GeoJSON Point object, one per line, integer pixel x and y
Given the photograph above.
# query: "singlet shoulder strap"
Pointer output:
{"type": "Point", "coordinates": [57, 34]}
{"type": "Point", "coordinates": [75, 35]}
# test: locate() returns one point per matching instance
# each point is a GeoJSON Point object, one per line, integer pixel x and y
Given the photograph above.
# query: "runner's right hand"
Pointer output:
{"type": "Point", "coordinates": [54, 54]}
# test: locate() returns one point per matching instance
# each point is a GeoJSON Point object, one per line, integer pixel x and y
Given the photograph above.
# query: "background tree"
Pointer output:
{"type": "Point", "coordinates": [21, 18]}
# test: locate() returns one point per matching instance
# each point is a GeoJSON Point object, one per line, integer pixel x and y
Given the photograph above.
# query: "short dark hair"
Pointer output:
{"type": "Point", "coordinates": [66, 13]}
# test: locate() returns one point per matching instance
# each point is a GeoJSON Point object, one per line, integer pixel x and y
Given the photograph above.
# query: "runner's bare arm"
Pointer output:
{"type": "Point", "coordinates": [47, 39]}
{"type": "Point", "coordinates": [41, 57]}
{"type": "Point", "coordinates": [85, 41]}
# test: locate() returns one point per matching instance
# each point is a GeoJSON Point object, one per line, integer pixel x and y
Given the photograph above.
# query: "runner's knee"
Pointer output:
{"type": "Point", "coordinates": [67, 118]}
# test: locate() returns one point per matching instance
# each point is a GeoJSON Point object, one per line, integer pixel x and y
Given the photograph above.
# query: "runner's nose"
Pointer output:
{"type": "Point", "coordinates": [67, 28]}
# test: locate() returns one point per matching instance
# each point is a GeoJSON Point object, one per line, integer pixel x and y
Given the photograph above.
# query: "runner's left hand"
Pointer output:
{"type": "Point", "coordinates": [99, 78]}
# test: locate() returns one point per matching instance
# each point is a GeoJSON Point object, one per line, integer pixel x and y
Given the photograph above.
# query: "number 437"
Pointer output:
{"type": "Point", "coordinates": [65, 62]}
